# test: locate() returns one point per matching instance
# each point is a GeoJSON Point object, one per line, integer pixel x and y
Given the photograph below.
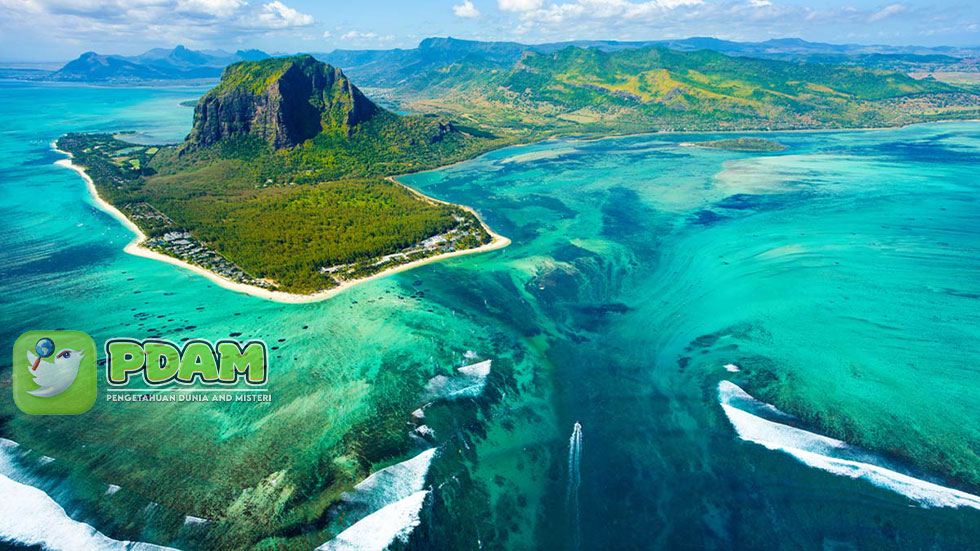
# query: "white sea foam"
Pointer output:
{"type": "Point", "coordinates": [733, 395]}
{"type": "Point", "coordinates": [470, 382]}
{"type": "Point", "coordinates": [392, 483]}
{"type": "Point", "coordinates": [538, 155]}
{"type": "Point", "coordinates": [30, 517]}
{"type": "Point", "coordinates": [381, 528]}
{"type": "Point", "coordinates": [832, 455]}
{"type": "Point", "coordinates": [192, 520]}
{"type": "Point", "coordinates": [392, 497]}
{"type": "Point", "coordinates": [477, 370]}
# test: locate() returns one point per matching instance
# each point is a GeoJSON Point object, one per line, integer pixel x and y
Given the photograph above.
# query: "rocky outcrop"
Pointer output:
{"type": "Point", "coordinates": [284, 101]}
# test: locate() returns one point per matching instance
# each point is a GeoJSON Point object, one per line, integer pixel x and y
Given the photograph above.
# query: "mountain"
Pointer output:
{"type": "Point", "coordinates": [384, 68]}
{"type": "Point", "coordinates": [281, 182]}
{"type": "Point", "coordinates": [251, 55]}
{"type": "Point", "coordinates": [179, 63]}
{"type": "Point", "coordinates": [393, 68]}
{"type": "Point", "coordinates": [91, 66]}
{"type": "Point", "coordinates": [589, 90]}
{"type": "Point", "coordinates": [284, 101]}
{"type": "Point", "coordinates": [302, 120]}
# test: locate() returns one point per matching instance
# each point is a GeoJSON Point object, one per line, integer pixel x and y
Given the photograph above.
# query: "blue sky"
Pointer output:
{"type": "Point", "coordinates": [61, 29]}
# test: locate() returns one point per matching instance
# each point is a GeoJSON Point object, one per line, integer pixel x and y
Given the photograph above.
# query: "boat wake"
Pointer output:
{"type": "Point", "coordinates": [574, 481]}
{"type": "Point", "coordinates": [749, 418]}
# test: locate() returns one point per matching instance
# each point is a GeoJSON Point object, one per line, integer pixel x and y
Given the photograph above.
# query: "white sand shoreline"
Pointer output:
{"type": "Point", "coordinates": [136, 248]}
{"type": "Point", "coordinates": [497, 241]}
{"type": "Point", "coordinates": [739, 132]}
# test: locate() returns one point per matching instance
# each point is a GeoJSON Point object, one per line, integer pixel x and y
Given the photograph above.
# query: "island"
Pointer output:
{"type": "Point", "coordinates": [284, 187]}
{"type": "Point", "coordinates": [287, 187]}
{"type": "Point", "coordinates": [740, 144]}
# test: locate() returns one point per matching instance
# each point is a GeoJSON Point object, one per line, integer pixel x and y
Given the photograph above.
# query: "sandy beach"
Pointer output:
{"type": "Point", "coordinates": [136, 248]}
{"type": "Point", "coordinates": [497, 241]}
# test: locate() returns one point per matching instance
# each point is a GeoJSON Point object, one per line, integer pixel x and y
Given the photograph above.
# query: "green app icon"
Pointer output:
{"type": "Point", "coordinates": [54, 372]}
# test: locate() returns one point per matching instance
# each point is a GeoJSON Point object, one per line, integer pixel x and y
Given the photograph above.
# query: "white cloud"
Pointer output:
{"type": "Point", "coordinates": [122, 23]}
{"type": "Point", "coordinates": [466, 9]}
{"type": "Point", "coordinates": [744, 20]}
{"type": "Point", "coordinates": [519, 5]}
{"type": "Point", "coordinates": [887, 12]}
{"type": "Point", "coordinates": [596, 9]}
{"type": "Point", "coordinates": [216, 8]}
{"type": "Point", "coordinates": [277, 15]}
{"type": "Point", "coordinates": [364, 38]}
{"type": "Point", "coordinates": [327, 34]}
{"type": "Point", "coordinates": [358, 35]}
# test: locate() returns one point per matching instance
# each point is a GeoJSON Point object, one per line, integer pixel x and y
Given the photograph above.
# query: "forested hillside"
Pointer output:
{"type": "Point", "coordinates": [587, 90]}
{"type": "Point", "coordinates": [281, 181]}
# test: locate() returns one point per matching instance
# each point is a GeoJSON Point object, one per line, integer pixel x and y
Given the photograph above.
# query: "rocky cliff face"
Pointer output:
{"type": "Point", "coordinates": [285, 101]}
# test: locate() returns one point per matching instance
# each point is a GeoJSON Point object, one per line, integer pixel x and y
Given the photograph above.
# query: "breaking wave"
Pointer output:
{"type": "Point", "coordinates": [381, 528]}
{"type": "Point", "coordinates": [389, 501]}
{"type": "Point", "coordinates": [28, 516]}
{"type": "Point", "coordinates": [829, 454]}
{"type": "Point", "coordinates": [469, 382]}
{"type": "Point", "coordinates": [392, 483]}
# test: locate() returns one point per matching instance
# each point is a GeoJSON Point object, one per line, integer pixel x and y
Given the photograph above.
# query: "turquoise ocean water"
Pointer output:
{"type": "Point", "coordinates": [838, 280]}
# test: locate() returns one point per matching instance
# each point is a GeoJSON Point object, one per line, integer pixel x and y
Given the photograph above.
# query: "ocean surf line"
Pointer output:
{"type": "Point", "coordinates": [829, 454]}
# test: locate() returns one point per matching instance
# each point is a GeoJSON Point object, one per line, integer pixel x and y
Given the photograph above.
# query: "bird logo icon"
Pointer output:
{"type": "Point", "coordinates": [54, 377]}
{"type": "Point", "coordinates": [54, 372]}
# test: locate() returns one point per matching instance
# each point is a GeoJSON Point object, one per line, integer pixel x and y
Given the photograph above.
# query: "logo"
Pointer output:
{"type": "Point", "coordinates": [160, 362]}
{"type": "Point", "coordinates": [54, 372]}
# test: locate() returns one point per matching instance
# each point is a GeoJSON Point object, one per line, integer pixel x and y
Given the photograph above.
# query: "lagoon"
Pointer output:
{"type": "Point", "coordinates": [838, 280]}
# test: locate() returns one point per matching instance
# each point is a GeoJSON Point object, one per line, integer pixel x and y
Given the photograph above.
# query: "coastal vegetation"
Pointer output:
{"type": "Point", "coordinates": [742, 144]}
{"type": "Point", "coordinates": [297, 201]}
{"type": "Point", "coordinates": [281, 181]}
{"type": "Point", "coordinates": [297, 206]}
{"type": "Point", "coordinates": [590, 91]}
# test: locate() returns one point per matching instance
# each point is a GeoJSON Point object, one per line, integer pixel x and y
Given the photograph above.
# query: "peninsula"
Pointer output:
{"type": "Point", "coordinates": [282, 188]}
{"type": "Point", "coordinates": [740, 144]}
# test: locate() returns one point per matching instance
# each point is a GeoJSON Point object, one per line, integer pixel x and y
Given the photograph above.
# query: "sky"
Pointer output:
{"type": "Point", "coordinates": [57, 30]}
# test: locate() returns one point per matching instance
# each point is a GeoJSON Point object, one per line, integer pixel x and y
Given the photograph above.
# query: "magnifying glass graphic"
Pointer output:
{"type": "Point", "coordinates": [44, 349]}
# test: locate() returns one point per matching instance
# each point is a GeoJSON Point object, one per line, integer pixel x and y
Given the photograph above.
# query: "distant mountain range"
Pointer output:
{"type": "Point", "coordinates": [179, 63]}
{"type": "Point", "coordinates": [579, 90]}
{"type": "Point", "coordinates": [393, 68]}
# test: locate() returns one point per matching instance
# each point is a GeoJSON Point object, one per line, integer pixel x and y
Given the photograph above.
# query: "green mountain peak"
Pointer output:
{"type": "Point", "coordinates": [284, 101]}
